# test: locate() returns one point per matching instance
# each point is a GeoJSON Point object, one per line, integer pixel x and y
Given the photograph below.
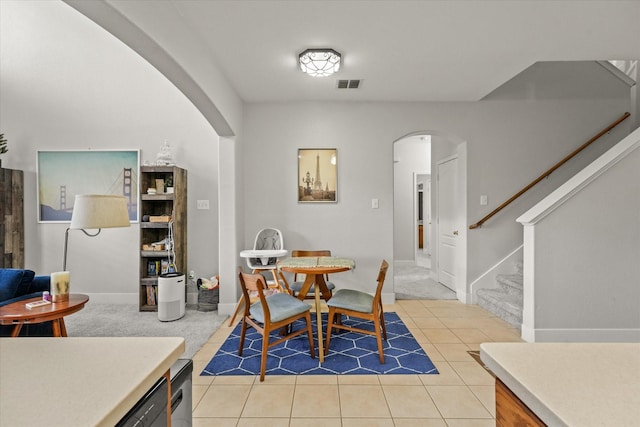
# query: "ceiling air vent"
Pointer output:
{"type": "Point", "coordinates": [348, 84]}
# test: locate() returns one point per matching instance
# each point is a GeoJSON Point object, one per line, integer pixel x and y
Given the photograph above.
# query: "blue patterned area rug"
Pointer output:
{"type": "Point", "coordinates": [350, 353]}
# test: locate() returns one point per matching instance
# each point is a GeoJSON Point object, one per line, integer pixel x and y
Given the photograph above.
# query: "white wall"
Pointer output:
{"type": "Point", "coordinates": [508, 144]}
{"type": "Point", "coordinates": [581, 256]}
{"type": "Point", "coordinates": [410, 156]}
{"type": "Point", "coordinates": [67, 84]}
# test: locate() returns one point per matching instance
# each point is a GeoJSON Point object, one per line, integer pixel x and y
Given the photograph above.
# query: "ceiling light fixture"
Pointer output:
{"type": "Point", "coordinates": [320, 62]}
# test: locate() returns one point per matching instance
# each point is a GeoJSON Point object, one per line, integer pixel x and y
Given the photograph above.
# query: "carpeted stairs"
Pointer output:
{"type": "Point", "coordinates": [505, 301]}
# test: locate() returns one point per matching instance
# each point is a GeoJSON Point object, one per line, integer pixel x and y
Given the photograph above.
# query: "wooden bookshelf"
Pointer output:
{"type": "Point", "coordinates": [153, 207]}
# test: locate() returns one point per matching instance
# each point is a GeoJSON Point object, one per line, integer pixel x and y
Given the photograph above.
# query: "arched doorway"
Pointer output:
{"type": "Point", "coordinates": [416, 233]}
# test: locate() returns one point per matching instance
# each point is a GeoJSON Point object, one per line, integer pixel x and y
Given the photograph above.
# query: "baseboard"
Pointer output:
{"type": "Point", "coordinates": [388, 298]}
{"type": "Point", "coordinates": [464, 297]}
{"type": "Point", "coordinates": [582, 335]}
{"type": "Point", "coordinates": [192, 297]}
{"type": "Point", "coordinates": [110, 298]}
{"type": "Point", "coordinates": [227, 308]}
{"type": "Point", "coordinates": [527, 334]}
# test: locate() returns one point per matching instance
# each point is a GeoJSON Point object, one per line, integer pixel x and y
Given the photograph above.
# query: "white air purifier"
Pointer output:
{"type": "Point", "coordinates": [171, 296]}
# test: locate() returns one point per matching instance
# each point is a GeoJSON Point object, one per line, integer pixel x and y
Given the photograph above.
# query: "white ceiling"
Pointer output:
{"type": "Point", "coordinates": [454, 50]}
{"type": "Point", "coordinates": [405, 50]}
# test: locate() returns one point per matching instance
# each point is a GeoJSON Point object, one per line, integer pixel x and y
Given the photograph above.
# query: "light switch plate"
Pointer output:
{"type": "Point", "coordinates": [202, 204]}
{"type": "Point", "coordinates": [374, 204]}
{"type": "Point", "coordinates": [483, 200]}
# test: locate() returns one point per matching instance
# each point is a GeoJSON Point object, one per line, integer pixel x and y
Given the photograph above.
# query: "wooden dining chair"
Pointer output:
{"type": "Point", "coordinates": [271, 312]}
{"type": "Point", "coordinates": [296, 286]}
{"type": "Point", "coordinates": [363, 305]}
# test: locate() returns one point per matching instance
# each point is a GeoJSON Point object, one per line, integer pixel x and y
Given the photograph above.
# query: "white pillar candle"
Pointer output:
{"type": "Point", "coordinates": [60, 286]}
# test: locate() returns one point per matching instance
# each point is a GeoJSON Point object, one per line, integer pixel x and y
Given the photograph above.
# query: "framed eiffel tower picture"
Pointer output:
{"type": "Point", "coordinates": [317, 175]}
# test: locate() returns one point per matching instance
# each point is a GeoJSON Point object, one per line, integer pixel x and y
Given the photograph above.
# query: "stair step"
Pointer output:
{"type": "Point", "coordinates": [519, 267]}
{"type": "Point", "coordinates": [506, 306]}
{"type": "Point", "coordinates": [511, 283]}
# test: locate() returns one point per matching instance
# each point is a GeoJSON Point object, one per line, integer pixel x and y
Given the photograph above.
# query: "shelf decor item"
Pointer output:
{"type": "Point", "coordinates": [165, 156]}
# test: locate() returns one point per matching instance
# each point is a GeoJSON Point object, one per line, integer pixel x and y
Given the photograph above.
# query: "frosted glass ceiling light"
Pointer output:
{"type": "Point", "coordinates": [319, 62]}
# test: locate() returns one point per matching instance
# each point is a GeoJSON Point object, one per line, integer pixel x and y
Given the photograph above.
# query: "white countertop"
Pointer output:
{"type": "Point", "coordinates": [79, 381]}
{"type": "Point", "coordinates": [571, 384]}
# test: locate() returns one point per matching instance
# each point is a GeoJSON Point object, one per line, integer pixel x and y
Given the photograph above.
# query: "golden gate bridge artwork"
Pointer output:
{"type": "Point", "coordinates": [64, 174]}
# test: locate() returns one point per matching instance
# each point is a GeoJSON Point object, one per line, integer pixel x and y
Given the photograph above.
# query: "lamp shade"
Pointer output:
{"type": "Point", "coordinates": [99, 211]}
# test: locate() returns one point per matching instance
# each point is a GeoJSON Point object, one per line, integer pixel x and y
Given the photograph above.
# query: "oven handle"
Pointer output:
{"type": "Point", "coordinates": [175, 400]}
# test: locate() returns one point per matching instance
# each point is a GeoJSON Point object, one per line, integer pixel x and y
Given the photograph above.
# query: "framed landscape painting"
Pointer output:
{"type": "Point", "coordinates": [317, 175]}
{"type": "Point", "coordinates": [64, 174]}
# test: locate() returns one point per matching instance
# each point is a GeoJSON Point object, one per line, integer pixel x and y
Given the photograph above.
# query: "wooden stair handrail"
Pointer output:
{"type": "Point", "coordinates": [548, 172]}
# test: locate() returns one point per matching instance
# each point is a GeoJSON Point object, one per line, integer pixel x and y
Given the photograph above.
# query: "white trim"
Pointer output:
{"type": "Point", "coordinates": [617, 72]}
{"type": "Point", "coordinates": [463, 296]}
{"type": "Point", "coordinates": [388, 298]}
{"type": "Point", "coordinates": [527, 334]}
{"type": "Point", "coordinates": [528, 285]}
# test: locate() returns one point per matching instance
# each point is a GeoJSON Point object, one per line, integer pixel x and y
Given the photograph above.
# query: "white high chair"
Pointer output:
{"type": "Point", "coordinates": [267, 248]}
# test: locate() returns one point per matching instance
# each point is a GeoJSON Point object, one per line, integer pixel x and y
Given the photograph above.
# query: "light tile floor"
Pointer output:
{"type": "Point", "coordinates": [461, 395]}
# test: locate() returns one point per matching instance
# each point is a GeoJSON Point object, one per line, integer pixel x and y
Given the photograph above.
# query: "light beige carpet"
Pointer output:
{"type": "Point", "coordinates": [413, 282]}
{"type": "Point", "coordinates": [124, 320]}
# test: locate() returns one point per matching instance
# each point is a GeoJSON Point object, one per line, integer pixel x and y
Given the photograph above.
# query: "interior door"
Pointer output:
{"type": "Point", "coordinates": [447, 224]}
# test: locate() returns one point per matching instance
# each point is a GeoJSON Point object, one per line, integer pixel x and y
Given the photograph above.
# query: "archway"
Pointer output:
{"type": "Point", "coordinates": [416, 266]}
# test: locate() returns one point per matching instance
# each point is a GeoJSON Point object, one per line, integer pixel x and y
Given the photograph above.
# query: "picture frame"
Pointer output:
{"type": "Point", "coordinates": [317, 175]}
{"type": "Point", "coordinates": [63, 174]}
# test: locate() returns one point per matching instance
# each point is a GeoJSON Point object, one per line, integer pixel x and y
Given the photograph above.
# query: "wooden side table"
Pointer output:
{"type": "Point", "coordinates": [18, 314]}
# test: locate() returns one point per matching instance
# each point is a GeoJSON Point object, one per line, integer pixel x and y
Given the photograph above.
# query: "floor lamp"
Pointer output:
{"type": "Point", "coordinates": [95, 212]}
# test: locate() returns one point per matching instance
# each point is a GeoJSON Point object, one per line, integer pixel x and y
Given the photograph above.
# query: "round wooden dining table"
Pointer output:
{"type": "Point", "coordinates": [314, 269]}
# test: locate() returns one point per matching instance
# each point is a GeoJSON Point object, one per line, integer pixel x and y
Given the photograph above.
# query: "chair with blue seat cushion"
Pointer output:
{"type": "Point", "coordinates": [363, 305]}
{"type": "Point", "coordinates": [271, 311]}
{"type": "Point", "coordinates": [296, 286]}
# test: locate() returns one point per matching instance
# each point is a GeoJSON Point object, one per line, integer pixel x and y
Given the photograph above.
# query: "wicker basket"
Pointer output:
{"type": "Point", "coordinates": [208, 299]}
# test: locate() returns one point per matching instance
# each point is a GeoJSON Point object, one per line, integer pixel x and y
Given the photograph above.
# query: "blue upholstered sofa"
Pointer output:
{"type": "Point", "coordinates": [18, 285]}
